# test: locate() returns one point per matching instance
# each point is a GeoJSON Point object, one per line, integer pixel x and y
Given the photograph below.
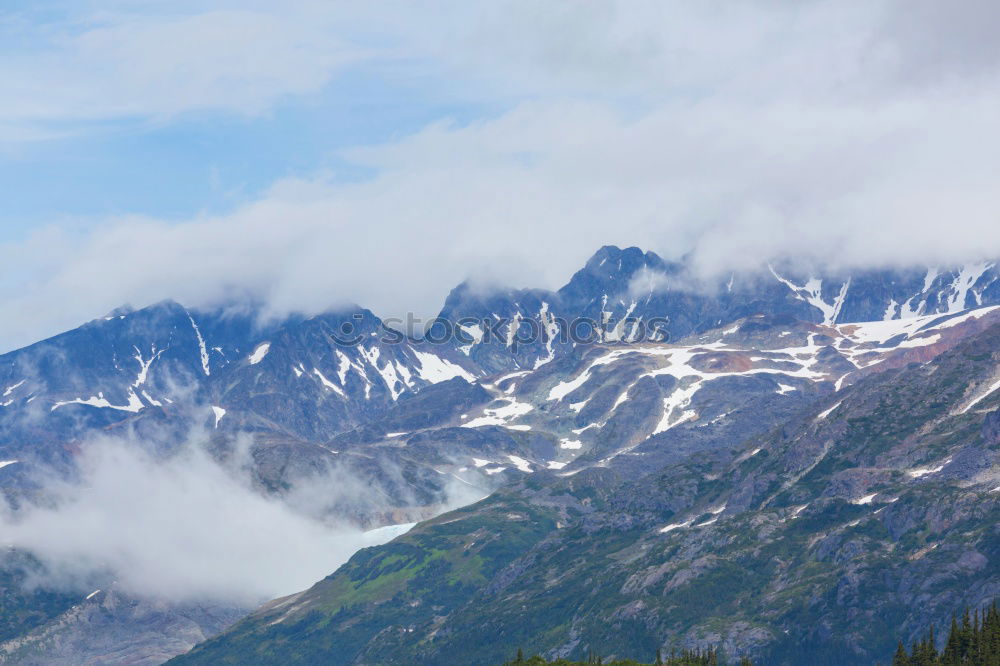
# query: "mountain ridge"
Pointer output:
{"type": "Point", "coordinates": [414, 419]}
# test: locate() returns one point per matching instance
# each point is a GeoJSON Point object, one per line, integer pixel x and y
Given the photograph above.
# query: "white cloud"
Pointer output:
{"type": "Point", "coordinates": [531, 194]}
{"type": "Point", "coordinates": [122, 63]}
{"type": "Point", "coordinates": [184, 528]}
{"type": "Point", "coordinates": [739, 132]}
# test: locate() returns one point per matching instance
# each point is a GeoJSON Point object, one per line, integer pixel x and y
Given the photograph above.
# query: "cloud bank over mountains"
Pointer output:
{"type": "Point", "coordinates": [850, 133]}
{"type": "Point", "coordinates": [187, 527]}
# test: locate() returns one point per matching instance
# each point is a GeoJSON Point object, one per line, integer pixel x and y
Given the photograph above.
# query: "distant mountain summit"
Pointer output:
{"type": "Point", "coordinates": [317, 377]}
{"type": "Point", "coordinates": [629, 285]}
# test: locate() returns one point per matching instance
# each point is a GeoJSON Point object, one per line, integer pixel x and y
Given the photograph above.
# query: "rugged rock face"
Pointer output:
{"type": "Point", "coordinates": [991, 428]}
{"type": "Point", "coordinates": [111, 627]}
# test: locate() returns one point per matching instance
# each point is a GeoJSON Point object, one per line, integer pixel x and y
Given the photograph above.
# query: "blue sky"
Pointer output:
{"type": "Point", "coordinates": [207, 158]}
{"type": "Point", "coordinates": [318, 153]}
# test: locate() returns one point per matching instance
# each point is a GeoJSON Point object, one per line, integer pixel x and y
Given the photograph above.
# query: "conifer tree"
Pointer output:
{"type": "Point", "coordinates": [900, 658]}
{"type": "Point", "coordinates": [975, 641]}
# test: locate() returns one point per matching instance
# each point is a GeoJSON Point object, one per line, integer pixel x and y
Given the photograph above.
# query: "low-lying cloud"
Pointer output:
{"type": "Point", "coordinates": [183, 528]}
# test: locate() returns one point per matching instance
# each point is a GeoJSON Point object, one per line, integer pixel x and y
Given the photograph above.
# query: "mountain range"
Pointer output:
{"type": "Point", "coordinates": [785, 464]}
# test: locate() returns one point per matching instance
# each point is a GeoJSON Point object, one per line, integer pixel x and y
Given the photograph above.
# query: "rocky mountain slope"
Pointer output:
{"type": "Point", "coordinates": [111, 627]}
{"type": "Point", "coordinates": [813, 540]}
{"type": "Point", "coordinates": [666, 371]}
